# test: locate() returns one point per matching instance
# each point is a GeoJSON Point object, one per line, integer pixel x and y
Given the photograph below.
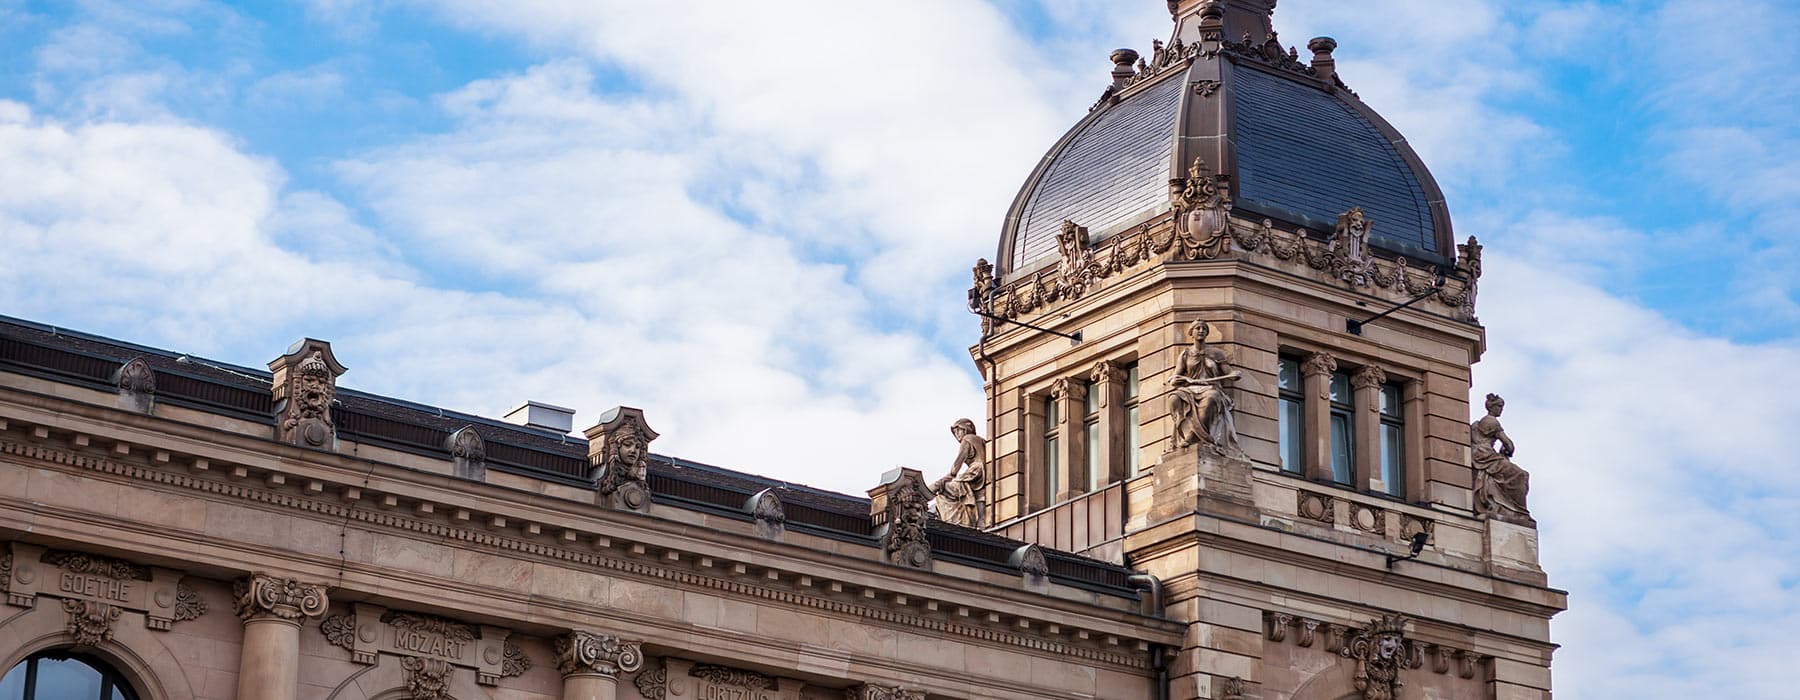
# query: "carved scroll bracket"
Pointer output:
{"type": "Point", "coordinates": [260, 597]}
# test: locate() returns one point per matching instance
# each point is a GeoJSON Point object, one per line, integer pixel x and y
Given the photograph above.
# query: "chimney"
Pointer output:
{"type": "Point", "coordinates": [1323, 64]}
{"type": "Point", "coordinates": [543, 416]}
{"type": "Point", "coordinates": [1123, 69]}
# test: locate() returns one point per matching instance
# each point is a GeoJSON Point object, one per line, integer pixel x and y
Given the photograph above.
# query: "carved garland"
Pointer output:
{"type": "Point", "coordinates": [1179, 241]}
{"type": "Point", "coordinates": [514, 544]}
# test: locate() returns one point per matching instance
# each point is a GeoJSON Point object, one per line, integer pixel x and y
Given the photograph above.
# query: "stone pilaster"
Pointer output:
{"type": "Point", "coordinates": [1367, 388]}
{"type": "Point", "coordinates": [590, 663]}
{"type": "Point", "coordinates": [1109, 380]}
{"type": "Point", "coordinates": [1071, 398]}
{"type": "Point", "coordinates": [272, 610]}
{"type": "Point", "coordinates": [1316, 371]}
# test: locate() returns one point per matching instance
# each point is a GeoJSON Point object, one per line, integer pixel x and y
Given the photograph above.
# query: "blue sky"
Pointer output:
{"type": "Point", "coordinates": [755, 220]}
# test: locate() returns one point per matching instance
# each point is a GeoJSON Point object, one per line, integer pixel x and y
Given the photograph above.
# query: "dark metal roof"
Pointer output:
{"type": "Point", "coordinates": [242, 392]}
{"type": "Point", "coordinates": [1304, 155]}
{"type": "Point", "coordinates": [1112, 173]}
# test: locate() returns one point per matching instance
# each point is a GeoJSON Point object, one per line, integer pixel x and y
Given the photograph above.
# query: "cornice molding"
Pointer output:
{"type": "Point", "coordinates": [579, 547]}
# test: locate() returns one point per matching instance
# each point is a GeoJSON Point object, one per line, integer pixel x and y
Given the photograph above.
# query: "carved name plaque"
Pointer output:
{"type": "Point", "coordinates": [680, 678]}
{"type": "Point", "coordinates": [372, 630]}
{"type": "Point", "coordinates": [156, 592]}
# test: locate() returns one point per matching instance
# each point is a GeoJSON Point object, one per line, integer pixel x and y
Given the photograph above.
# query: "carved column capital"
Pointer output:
{"type": "Point", "coordinates": [1107, 372]}
{"type": "Point", "coordinates": [587, 653]}
{"type": "Point", "coordinates": [260, 597]}
{"type": "Point", "coordinates": [1318, 364]}
{"type": "Point", "coordinates": [1067, 388]}
{"type": "Point", "coordinates": [1368, 377]}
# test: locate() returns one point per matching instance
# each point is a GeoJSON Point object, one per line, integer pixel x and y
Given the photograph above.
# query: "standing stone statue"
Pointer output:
{"type": "Point", "coordinates": [1500, 485]}
{"type": "Point", "coordinates": [959, 492]}
{"type": "Point", "coordinates": [1201, 407]}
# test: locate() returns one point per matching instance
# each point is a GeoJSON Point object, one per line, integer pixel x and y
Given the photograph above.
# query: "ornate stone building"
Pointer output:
{"type": "Point", "coordinates": [1252, 476]}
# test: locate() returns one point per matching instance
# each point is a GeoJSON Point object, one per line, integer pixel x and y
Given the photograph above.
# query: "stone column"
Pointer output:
{"type": "Point", "coordinates": [272, 610]}
{"type": "Point", "coordinates": [591, 663]}
{"type": "Point", "coordinates": [1367, 428]}
{"type": "Point", "coordinates": [1071, 398]}
{"type": "Point", "coordinates": [1109, 380]}
{"type": "Point", "coordinates": [1316, 371]}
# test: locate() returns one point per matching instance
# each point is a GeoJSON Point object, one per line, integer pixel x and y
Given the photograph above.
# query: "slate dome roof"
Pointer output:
{"type": "Point", "coordinates": [1296, 145]}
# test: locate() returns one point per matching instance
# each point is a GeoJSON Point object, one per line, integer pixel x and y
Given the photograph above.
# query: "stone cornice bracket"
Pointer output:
{"type": "Point", "coordinates": [586, 653]}
{"type": "Point", "coordinates": [137, 385]}
{"type": "Point", "coordinates": [897, 506]}
{"type": "Point", "coordinates": [304, 387]}
{"type": "Point", "coordinates": [260, 597]}
{"type": "Point", "coordinates": [619, 450]}
{"type": "Point", "coordinates": [871, 691]}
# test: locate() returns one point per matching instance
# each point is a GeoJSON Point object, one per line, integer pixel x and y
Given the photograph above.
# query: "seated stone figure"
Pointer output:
{"type": "Point", "coordinates": [959, 492]}
{"type": "Point", "coordinates": [1202, 408]}
{"type": "Point", "coordinates": [1500, 485]}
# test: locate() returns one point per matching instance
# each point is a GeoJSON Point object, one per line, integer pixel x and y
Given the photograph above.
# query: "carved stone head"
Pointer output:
{"type": "Point", "coordinates": [1495, 405]}
{"type": "Point", "coordinates": [1199, 330]}
{"type": "Point", "coordinates": [963, 427]}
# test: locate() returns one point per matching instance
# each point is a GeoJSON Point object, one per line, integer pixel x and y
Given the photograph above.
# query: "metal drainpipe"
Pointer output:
{"type": "Point", "coordinates": [1158, 658]}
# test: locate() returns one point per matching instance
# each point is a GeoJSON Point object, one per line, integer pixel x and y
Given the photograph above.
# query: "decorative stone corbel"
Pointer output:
{"type": "Point", "coordinates": [137, 385]}
{"type": "Point", "coordinates": [770, 518]}
{"type": "Point", "coordinates": [1379, 650]}
{"type": "Point", "coordinates": [1278, 626]}
{"type": "Point", "coordinates": [619, 450]}
{"type": "Point", "coordinates": [264, 597]}
{"type": "Point", "coordinates": [304, 387]}
{"type": "Point", "coordinates": [469, 453]}
{"type": "Point", "coordinates": [587, 653]}
{"type": "Point", "coordinates": [897, 507]}
{"type": "Point", "coordinates": [871, 691]}
{"type": "Point", "coordinates": [1308, 631]}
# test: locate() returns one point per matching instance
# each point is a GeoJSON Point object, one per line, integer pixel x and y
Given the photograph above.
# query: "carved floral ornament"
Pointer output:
{"type": "Point", "coordinates": [587, 653]}
{"type": "Point", "coordinates": [265, 597]}
{"type": "Point", "coordinates": [1198, 230]}
{"type": "Point", "coordinates": [1379, 648]}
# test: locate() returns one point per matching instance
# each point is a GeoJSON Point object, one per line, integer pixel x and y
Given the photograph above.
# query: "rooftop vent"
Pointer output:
{"type": "Point", "coordinates": [544, 416]}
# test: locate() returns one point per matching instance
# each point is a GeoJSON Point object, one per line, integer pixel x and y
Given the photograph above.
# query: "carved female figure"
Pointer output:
{"type": "Point", "coordinates": [1500, 485]}
{"type": "Point", "coordinates": [958, 493]}
{"type": "Point", "coordinates": [1201, 407]}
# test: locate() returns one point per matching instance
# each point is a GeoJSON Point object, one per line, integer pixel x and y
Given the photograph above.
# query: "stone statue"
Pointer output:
{"type": "Point", "coordinates": [1500, 485]}
{"type": "Point", "coordinates": [959, 492]}
{"type": "Point", "coordinates": [1201, 407]}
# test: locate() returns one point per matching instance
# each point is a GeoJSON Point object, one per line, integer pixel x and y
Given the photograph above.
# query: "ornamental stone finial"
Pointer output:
{"type": "Point", "coordinates": [587, 653]}
{"type": "Point", "coordinates": [619, 449]}
{"type": "Point", "coordinates": [260, 597]}
{"type": "Point", "coordinates": [304, 387]}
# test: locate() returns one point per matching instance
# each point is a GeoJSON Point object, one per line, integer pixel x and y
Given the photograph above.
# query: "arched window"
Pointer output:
{"type": "Point", "coordinates": [64, 675]}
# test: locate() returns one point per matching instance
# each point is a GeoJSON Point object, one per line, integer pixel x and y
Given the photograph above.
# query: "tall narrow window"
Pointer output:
{"type": "Point", "coordinates": [1131, 420]}
{"type": "Point", "coordinates": [1393, 441]}
{"type": "Point", "coordinates": [1096, 445]}
{"type": "Point", "coordinates": [1052, 448]}
{"type": "Point", "coordinates": [1342, 455]}
{"type": "Point", "coordinates": [1291, 417]}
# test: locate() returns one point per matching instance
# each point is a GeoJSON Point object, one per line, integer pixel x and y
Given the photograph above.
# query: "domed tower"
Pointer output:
{"type": "Point", "coordinates": [1227, 339]}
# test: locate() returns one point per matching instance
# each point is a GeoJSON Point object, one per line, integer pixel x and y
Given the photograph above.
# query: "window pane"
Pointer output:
{"type": "Point", "coordinates": [1340, 388]}
{"type": "Point", "coordinates": [1340, 448]}
{"type": "Point", "coordinates": [1393, 466]}
{"type": "Point", "coordinates": [1093, 397]}
{"type": "Point", "coordinates": [1288, 377]}
{"type": "Point", "coordinates": [1052, 469]}
{"type": "Point", "coordinates": [1093, 457]}
{"type": "Point", "coordinates": [1131, 441]}
{"type": "Point", "coordinates": [1293, 448]}
{"type": "Point", "coordinates": [1390, 400]}
{"type": "Point", "coordinates": [1131, 381]}
{"type": "Point", "coordinates": [67, 679]}
{"type": "Point", "coordinates": [12, 687]}
{"type": "Point", "coordinates": [1051, 417]}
